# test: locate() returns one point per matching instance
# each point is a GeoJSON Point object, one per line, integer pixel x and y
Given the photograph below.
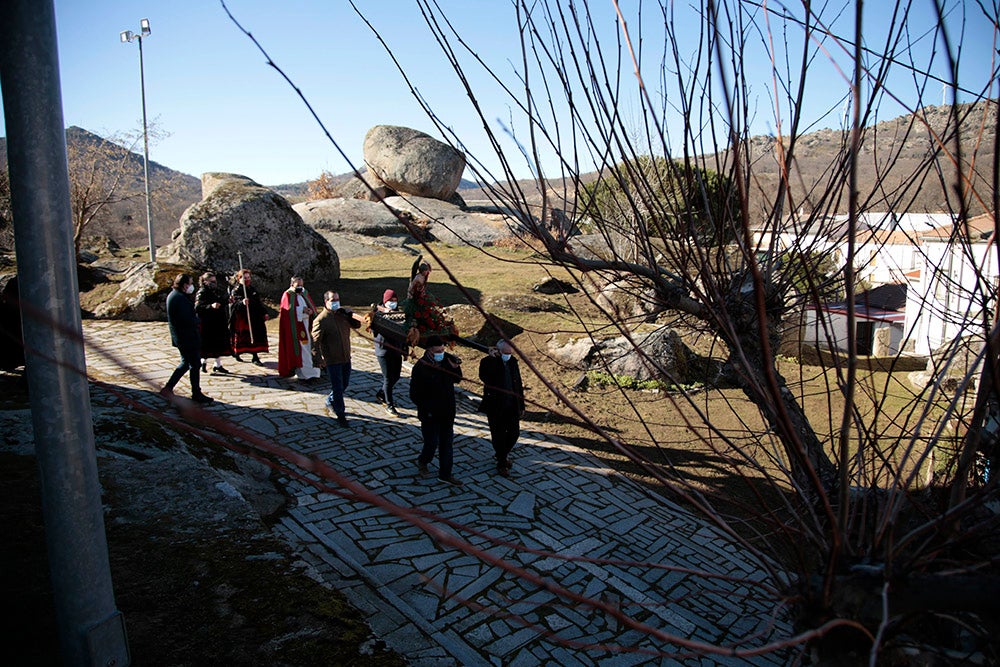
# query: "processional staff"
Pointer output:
{"type": "Point", "coordinates": [246, 298]}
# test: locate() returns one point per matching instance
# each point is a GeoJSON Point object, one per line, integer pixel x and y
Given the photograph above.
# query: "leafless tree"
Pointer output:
{"type": "Point", "coordinates": [100, 174]}
{"type": "Point", "coordinates": [850, 514]}
{"type": "Point", "coordinates": [869, 516]}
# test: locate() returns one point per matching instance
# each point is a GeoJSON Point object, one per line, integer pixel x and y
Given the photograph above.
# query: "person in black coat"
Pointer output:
{"type": "Point", "coordinates": [432, 390]}
{"type": "Point", "coordinates": [212, 305]}
{"type": "Point", "coordinates": [185, 336]}
{"type": "Point", "coordinates": [247, 318]}
{"type": "Point", "coordinates": [503, 401]}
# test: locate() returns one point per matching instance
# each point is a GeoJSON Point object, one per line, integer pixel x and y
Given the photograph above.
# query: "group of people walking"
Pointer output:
{"type": "Point", "coordinates": [217, 324]}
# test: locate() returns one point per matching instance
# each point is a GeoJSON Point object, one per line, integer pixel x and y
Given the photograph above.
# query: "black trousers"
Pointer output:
{"type": "Point", "coordinates": [505, 429]}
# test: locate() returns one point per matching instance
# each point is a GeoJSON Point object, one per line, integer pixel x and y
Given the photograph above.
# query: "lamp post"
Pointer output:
{"type": "Point", "coordinates": [128, 36]}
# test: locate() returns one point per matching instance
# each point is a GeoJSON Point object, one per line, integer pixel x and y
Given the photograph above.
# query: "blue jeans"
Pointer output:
{"type": "Point", "coordinates": [340, 377]}
{"type": "Point", "coordinates": [190, 360]}
{"type": "Point", "coordinates": [439, 433]}
{"type": "Point", "coordinates": [391, 364]}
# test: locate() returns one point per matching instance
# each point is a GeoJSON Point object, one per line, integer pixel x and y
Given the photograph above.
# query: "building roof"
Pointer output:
{"type": "Point", "coordinates": [883, 297]}
{"type": "Point", "coordinates": [980, 228]}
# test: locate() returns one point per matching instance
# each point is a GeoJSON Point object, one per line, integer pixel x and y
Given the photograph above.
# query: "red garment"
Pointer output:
{"type": "Point", "coordinates": [292, 332]}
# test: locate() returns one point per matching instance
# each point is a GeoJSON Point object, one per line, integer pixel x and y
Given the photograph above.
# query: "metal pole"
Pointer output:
{"type": "Point", "coordinates": [145, 158]}
{"type": "Point", "coordinates": [91, 629]}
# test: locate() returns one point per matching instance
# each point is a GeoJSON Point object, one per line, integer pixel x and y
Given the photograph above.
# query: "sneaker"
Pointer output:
{"type": "Point", "coordinates": [380, 396]}
{"type": "Point", "coordinates": [503, 470]}
{"type": "Point", "coordinates": [451, 480]}
{"type": "Point", "coordinates": [342, 420]}
{"type": "Point", "coordinates": [219, 370]}
{"type": "Point", "coordinates": [202, 398]}
{"type": "Point", "coordinates": [423, 470]}
{"type": "Point", "coordinates": [391, 410]}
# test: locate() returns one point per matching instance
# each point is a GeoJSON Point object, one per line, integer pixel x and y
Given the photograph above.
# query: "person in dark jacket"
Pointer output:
{"type": "Point", "coordinates": [331, 334]}
{"type": "Point", "coordinates": [432, 390]}
{"type": "Point", "coordinates": [212, 305]}
{"type": "Point", "coordinates": [503, 401]}
{"type": "Point", "coordinates": [185, 336]}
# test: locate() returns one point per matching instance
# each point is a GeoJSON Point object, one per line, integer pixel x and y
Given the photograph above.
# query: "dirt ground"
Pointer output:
{"type": "Point", "coordinates": [197, 585]}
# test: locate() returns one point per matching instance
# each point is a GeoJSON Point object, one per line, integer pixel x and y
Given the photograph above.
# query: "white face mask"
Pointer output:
{"type": "Point", "coordinates": [391, 305]}
{"type": "Point", "coordinates": [505, 357]}
{"type": "Point", "coordinates": [189, 289]}
{"type": "Point", "coordinates": [438, 357]}
{"type": "Point", "coordinates": [334, 305]}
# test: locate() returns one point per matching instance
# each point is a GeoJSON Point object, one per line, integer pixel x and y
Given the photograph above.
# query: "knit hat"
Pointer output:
{"type": "Point", "coordinates": [388, 294]}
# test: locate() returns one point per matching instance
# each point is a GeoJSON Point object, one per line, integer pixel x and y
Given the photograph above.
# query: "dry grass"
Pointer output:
{"type": "Point", "coordinates": [714, 439]}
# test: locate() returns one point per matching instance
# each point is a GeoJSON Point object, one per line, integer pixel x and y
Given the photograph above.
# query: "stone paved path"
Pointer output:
{"type": "Point", "coordinates": [560, 500]}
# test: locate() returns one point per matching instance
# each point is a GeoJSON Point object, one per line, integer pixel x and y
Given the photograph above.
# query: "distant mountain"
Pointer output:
{"type": "Point", "coordinates": [892, 172]}
{"type": "Point", "coordinates": [892, 153]}
{"type": "Point", "coordinates": [892, 163]}
{"type": "Point", "coordinates": [171, 192]}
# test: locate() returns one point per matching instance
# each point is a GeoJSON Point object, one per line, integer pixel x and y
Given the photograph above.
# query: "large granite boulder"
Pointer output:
{"type": "Point", "coordinates": [238, 215]}
{"type": "Point", "coordinates": [448, 223]}
{"type": "Point", "coordinates": [140, 296]}
{"type": "Point", "coordinates": [660, 354]}
{"type": "Point", "coordinates": [355, 216]}
{"type": "Point", "coordinates": [413, 163]}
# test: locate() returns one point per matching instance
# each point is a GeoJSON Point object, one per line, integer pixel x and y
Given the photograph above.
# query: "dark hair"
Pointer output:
{"type": "Point", "coordinates": [180, 280]}
{"type": "Point", "coordinates": [434, 341]}
{"type": "Point", "coordinates": [328, 295]}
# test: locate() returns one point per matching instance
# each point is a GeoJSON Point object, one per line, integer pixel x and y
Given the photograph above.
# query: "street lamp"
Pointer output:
{"type": "Point", "coordinates": [128, 36]}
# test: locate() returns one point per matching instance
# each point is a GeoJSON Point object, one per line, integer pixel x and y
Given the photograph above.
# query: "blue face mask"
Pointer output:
{"type": "Point", "coordinates": [438, 357]}
{"type": "Point", "coordinates": [391, 305]}
{"type": "Point", "coordinates": [334, 305]}
{"type": "Point", "coordinates": [505, 357]}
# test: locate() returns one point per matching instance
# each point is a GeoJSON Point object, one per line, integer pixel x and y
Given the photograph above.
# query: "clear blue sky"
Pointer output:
{"type": "Point", "coordinates": [224, 109]}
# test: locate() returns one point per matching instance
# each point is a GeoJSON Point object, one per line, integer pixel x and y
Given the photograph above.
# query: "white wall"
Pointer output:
{"type": "Point", "coordinates": [938, 309]}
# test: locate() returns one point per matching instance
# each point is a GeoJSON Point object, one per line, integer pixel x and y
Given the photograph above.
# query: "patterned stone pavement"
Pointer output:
{"type": "Point", "coordinates": [441, 605]}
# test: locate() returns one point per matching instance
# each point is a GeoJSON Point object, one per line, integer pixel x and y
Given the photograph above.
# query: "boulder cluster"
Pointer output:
{"type": "Point", "coordinates": [408, 190]}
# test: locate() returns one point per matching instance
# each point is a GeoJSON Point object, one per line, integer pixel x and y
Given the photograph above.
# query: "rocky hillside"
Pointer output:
{"type": "Point", "coordinates": [171, 192]}
{"type": "Point", "coordinates": [895, 151]}
{"type": "Point", "coordinates": [898, 162]}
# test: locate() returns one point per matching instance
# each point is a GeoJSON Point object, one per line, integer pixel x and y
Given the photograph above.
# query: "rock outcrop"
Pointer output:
{"type": "Point", "coordinates": [370, 189]}
{"type": "Point", "coordinates": [411, 162]}
{"type": "Point", "coordinates": [448, 223]}
{"type": "Point", "coordinates": [655, 355]}
{"type": "Point", "coordinates": [140, 296]}
{"type": "Point", "coordinates": [354, 216]}
{"type": "Point", "coordinates": [238, 215]}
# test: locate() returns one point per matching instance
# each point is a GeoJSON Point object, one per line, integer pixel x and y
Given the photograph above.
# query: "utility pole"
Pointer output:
{"type": "Point", "coordinates": [128, 36]}
{"type": "Point", "coordinates": [91, 629]}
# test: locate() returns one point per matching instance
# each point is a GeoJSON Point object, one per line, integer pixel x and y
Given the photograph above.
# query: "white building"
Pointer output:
{"type": "Point", "coordinates": [958, 280]}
